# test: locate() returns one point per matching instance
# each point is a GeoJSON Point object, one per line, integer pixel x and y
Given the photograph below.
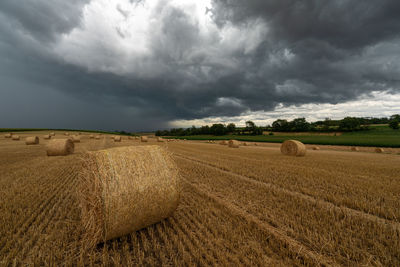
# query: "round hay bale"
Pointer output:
{"type": "Point", "coordinates": [91, 136]}
{"type": "Point", "coordinates": [354, 148]}
{"type": "Point", "coordinates": [76, 138]}
{"type": "Point", "coordinates": [293, 148]}
{"type": "Point", "coordinates": [144, 139]}
{"type": "Point", "coordinates": [136, 137]}
{"type": "Point", "coordinates": [379, 150]}
{"type": "Point", "coordinates": [52, 134]}
{"type": "Point", "coordinates": [60, 147]}
{"type": "Point", "coordinates": [66, 134]}
{"type": "Point", "coordinates": [125, 189]}
{"type": "Point", "coordinates": [130, 137]}
{"type": "Point", "coordinates": [316, 148]}
{"type": "Point", "coordinates": [234, 144]}
{"type": "Point", "coordinates": [15, 137]}
{"type": "Point", "coordinates": [8, 135]}
{"type": "Point", "coordinates": [255, 144]}
{"type": "Point", "coordinates": [97, 137]}
{"type": "Point", "coordinates": [32, 140]}
{"type": "Point", "coordinates": [47, 136]}
{"type": "Point", "coordinates": [223, 142]}
{"type": "Point", "coordinates": [117, 138]}
{"type": "Point", "coordinates": [159, 139]}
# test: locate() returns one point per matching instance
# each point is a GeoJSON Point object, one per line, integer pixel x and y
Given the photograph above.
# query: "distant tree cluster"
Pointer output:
{"type": "Point", "coordinates": [348, 124]}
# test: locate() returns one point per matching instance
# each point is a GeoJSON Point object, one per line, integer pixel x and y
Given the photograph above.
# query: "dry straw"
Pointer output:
{"type": "Point", "coordinates": [223, 142]}
{"type": "Point", "coordinates": [32, 140]}
{"type": "Point", "coordinates": [316, 148]}
{"type": "Point", "coordinates": [379, 150]}
{"type": "Point", "coordinates": [46, 136]}
{"type": "Point", "coordinates": [125, 189]}
{"type": "Point", "coordinates": [293, 148]}
{"type": "Point", "coordinates": [117, 138]}
{"type": "Point", "coordinates": [8, 135]}
{"type": "Point", "coordinates": [354, 148]}
{"type": "Point", "coordinates": [60, 147]}
{"type": "Point", "coordinates": [76, 138]}
{"type": "Point", "coordinates": [144, 139]}
{"type": "Point", "coordinates": [234, 144]}
{"type": "Point", "coordinates": [15, 137]}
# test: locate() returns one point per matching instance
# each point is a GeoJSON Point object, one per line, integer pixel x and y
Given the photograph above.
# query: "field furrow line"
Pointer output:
{"type": "Point", "coordinates": [292, 244]}
{"type": "Point", "coordinates": [43, 209]}
{"type": "Point", "coordinates": [328, 205]}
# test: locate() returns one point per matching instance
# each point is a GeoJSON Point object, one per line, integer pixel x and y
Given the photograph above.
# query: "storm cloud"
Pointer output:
{"type": "Point", "coordinates": [138, 65]}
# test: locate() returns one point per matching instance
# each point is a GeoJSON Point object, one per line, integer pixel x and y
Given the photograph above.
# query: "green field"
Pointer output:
{"type": "Point", "coordinates": [377, 136]}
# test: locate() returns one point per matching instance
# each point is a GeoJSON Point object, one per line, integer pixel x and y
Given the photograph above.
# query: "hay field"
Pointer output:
{"type": "Point", "coordinates": [248, 206]}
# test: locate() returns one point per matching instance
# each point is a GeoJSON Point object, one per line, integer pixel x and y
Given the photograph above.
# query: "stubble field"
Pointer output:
{"type": "Point", "coordinates": [248, 206]}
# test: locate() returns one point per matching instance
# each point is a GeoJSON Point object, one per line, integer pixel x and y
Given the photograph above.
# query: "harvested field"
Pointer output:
{"type": "Point", "coordinates": [247, 206]}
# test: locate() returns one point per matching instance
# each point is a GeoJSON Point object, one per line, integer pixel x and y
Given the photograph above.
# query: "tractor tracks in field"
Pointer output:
{"type": "Point", "coordinates": [326, 204]}
{"type": "Point", "coordinates": [298, 249]}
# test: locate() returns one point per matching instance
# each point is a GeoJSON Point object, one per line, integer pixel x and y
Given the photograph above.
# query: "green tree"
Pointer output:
{"type": "Point", "coordinates": [231, 128]}
{"type": "Point", "coordinates": [350, 124]}
{"type": "Point", "coordinates": [394, 124]}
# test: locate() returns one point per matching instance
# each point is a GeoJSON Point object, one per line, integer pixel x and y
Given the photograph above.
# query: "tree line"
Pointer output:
{"type": "Point", "coordinates": [348, 124]}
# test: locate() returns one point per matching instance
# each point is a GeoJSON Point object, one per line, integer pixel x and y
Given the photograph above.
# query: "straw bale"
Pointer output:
{"type": "Point", "coordinates": [316, 148]}
{"type": "Point", "coordinates": [91, 136]}
{"type": "Point", "coordinates": [76, 138]}
{"type": "Point", "coordinates": [159, 139]}
{"type": "Point", "coordinates": [125, 189]}
{"type": "Point", "coordinates": [117, 138]}
{"type": "Point", "coordinates": [52, 134]}
{"type": "Point", "coordinates": [66, 134]}
{"type": "Point", "coordinates": [293, 148]}
{"type": "Point", "coordinates": [8, 135]}
{"type": "Point", "coordinates": [144, 139]}
{"type": "Point", "coordinates": [223, 142]}
{"type": "Point", "coordinates": [379, 150]}
{"type": "Point", "coordinates": [234, 144]}
{"type": "Point", "coordinates": [46, 136]}
{"type": "Point", "coordinates": [354, 148]}
{"type": "Point", "coordinates": [97, 137]}
{"type": "Point", "coordinates": [32, 140]}
{"type": "Point", "coordinates": [130, 137]}
{"type": "Point", "coordinates": [15, 137]}
{"type": "Point", "coordinates": [60, 147]}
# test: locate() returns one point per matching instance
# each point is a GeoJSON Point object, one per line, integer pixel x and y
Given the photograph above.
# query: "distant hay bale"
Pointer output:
{"type": "Point", "coordinates": [52, 134]}
{"type": "Point", "coordinates": [223, 142]}
{"type": "Point", "coordinates": [130, 137]}
{"type": "Point", "coordinates": [91, 136]}
{"type": "Point", "coordinates": [293, 148]}
{"type": "Point", "coordinates": [379, 150]}
{"type": "Point", "coordinates": [60, 147]}
{"type": "Point", "coordinates": [136, 137]}
{"type": "Point", "coordinates": [159, 139]}
{"type": "Point", "coordinates": [315, 148]}
{"type": "Point", "coordinates": [8, 135]}
{"type": "Point", "coordinates": [234, 144]}
{"type": "Point", "coordinates": [117, 138]}
{"type": "Point", "coordinates": [47, 136]}
{"type": "Point", "coordinates": [76, 138]}
{"type": "Point", "coordinates": [144, 139]}
{"type": "Point", "coordinates": [255, 144]}
{"type": "Point", "coordinates": [15, 137]}
{"type": "Point", "coordinates": [66, 134]}
{"type": "Point", "coordinates": [354, 148]}
{"type": "Point", "coordinates": [97, 137]}
{"type": "Point", "coordinates": [32, 140]}
{"type": "Point", "coordinates": [126, 189]}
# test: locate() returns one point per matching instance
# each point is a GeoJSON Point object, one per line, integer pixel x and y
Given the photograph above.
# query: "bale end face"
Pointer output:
{"type": "Point", "coordinates": [33, 140]}
{"type": "Point", "coordinates": [60, 147]}
{"type": "Point", "coordinates": [293, 148]}
{"type": "Point", "coordinates": [125, 189]}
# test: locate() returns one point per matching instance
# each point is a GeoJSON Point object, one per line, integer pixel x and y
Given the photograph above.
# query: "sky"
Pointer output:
{"type": "Point", "coordinates": [142, 65]}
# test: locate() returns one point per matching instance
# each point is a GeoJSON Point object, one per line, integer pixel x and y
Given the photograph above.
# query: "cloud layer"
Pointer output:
{"type": "Point", "coordinates": [141, 64]}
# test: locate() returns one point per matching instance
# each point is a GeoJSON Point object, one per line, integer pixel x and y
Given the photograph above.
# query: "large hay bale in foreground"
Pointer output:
{"type": "Point", "coordinates": [47, 136]}
{"type": "Point", "coordinates": [117, 138]}
{"type": "Point", "coordinates": [144, 139]}
{"type": "Point", "coordinates": [32, 140]}
{"type": "Point", "coordinates": [379, 150]}
{"type": "Point", "coordinates": [15, 137]}
{"type": "Point", "coordinates": [8, 135]}
{"type": "Point", "coordinates": [125, 189]}
{"type": "Point", "coordinates": [76, 138]}
{"type": "Point", "coordinates": [293, 148]}
{"type": "Point", "coordinates": [223, 142]}
{"type": "Point", "coordinates": [60, 147]}
{"type": "Point", "coordinates": [233, 144]}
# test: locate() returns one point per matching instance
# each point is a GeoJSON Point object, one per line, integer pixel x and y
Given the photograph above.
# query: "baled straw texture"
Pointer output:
{"type": "Point", "coordinates": [76, 138]}
{"type": "Point", "coordinates": [97, 137]}
{"type": "Point", "coordinates": [117, 138]}
{"type": "Point", "coordinates": [8, 135]}
{"type": "Point", "coordinates": [354, 148]}
{"type": "Point", "coordinates": [15, 137]}
{"type": "Point", "coordinates": [32, 140]}
{"type": "Point", "coordinates": [60, 147]}
{"type": "Point", "coordinates": [233, 144]}
{"type": "Point", "coordinates": [293, 148]}
{"type": "Point", "coordinates": [223, 142]}
{"type": "Point", "coordinates": [46, 136]}
{"type": "Point", "coordinates": [379, 150]}
{"type": "Point", "coordinates": [144, 139]}
{"type": "Point", "coordinates": [125, 189]}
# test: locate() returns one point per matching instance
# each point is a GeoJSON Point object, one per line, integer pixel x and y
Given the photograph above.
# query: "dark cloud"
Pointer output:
{"type": "Point", "coordinates": [260, 54]}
